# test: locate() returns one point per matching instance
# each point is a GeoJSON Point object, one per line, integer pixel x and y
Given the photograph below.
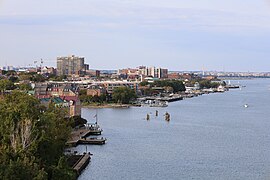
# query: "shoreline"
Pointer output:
{"type": "Point", "coordinates": [107, 106]}
{"type": "Point", "coordinates": [178, 98]}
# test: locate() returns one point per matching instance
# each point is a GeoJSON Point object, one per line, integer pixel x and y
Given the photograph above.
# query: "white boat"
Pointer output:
{"type": "Point", "coordinates": [220, 89]}
{"type": "Point", "coordinates": [246, 105]}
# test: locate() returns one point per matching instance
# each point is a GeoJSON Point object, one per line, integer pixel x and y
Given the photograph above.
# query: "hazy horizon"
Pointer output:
{"type": "Point", "coordinates": [177, 34]}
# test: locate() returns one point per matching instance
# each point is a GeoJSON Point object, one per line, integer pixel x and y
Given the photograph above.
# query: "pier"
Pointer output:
{"type": "Point", "coordinates": [84, 132]}
{"type": "Point", "coordinates": [79, 162]}
{"type": "Point", "coordinates": [93, 141]}
{"type": "Point", "coordinates": [168, 99]}
{"type": "Point", "coordinates": [79, 136]}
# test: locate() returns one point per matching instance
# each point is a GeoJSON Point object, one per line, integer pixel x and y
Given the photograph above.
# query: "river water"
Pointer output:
{"type": "Point", "coordinates": [209, 137]}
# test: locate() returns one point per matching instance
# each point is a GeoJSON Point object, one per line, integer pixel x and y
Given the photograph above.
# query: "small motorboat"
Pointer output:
{"type": "Point", "coordinates": [246, 105]}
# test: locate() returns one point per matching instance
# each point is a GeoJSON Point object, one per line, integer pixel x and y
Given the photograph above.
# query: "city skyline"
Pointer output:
{"type": "Point", "coordinates": [178, 35]}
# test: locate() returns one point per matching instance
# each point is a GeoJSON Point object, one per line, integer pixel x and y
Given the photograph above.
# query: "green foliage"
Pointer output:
{"type": "Point", "coordinates": [13, 79]}
{"type": "Point", "coordinates": [24, 87]}
{"type": "Point", "coordinates": [32, 139]}
{"type": "Point", "coordinates": [87, 99]}
{"type": "Point", "coordinates": [62, 171]}
{"type": "Point", "coordinates": [57, 78]}
{"type": "Point", "coordinates": [9, 73]}
{"type": "Point", "coordinates": [208, 84]}
{"type": "Point", "coordinates": [33, 76]}
{"type": "Point", "coordinates": [83, 92]}
{"type": "Point", "coordinates": [21, 168]}
{"type": "Point", "coordinates": [147, 92]}
{"type": "Point", "coordinates": [144, 83]}
{"type": "Point", "coordinates": [175, 84]}
{"type": "Point", "coordinates": [25, 77]}
{"type": "Point", "coordinates": [123, 95]}
{"type": "Point", "coordinates": [5, 84]}
{"type": "Point", "coordinates": [38, 78]}
{"type": "Point", "coordinates": [77, 121]}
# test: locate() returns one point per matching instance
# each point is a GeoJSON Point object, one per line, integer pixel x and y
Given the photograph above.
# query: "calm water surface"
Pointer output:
{"type": "Point", "coordinates": [208, 137]}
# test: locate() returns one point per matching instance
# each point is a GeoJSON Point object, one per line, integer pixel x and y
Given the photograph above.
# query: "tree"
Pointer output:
{"type": "Point", "coordinates": [175, 84]}
{"type": "Point", "coordinates": [24, 87]}
{"type": "Point", "coordinates": [5, 84]}
{"type": "Point", "coordinates": [13, 79]}
{"type": "Point", "coordinates": [32, 138]}
{"type": "Point", "coordinates": [208, 84]}
{"type": "Point", "coordinates": [83, 92]}
{"type": "Point", "coordinates": [123, 95]}
{"type": "Point", "coordinates": [144, 83]}
{"type": "Point", "coordinates": [57, 78]}
{"type": "Point", "coordinates": [25, 77]}
{"type": "Point", "coordinates": [38, 78]}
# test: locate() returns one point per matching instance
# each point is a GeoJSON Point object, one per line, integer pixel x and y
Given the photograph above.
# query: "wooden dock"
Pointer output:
{"type": "Point", "coordinates": [79, 136]}
{"type": "Point", "coordinates": [81, 163]}
{"type": "Point", "coordinates": [93, 141]}
{"type": "Point", "coordinates": [82, 133]}
{"type": "Point", "coordinates": [92, 132]}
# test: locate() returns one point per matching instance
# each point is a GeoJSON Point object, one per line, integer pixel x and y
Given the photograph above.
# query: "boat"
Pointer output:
{"type": "Point", "coordinates": [94, 128]}
{"type": "Point", "coordinates": [246, 105]}
{"type": "Point", "coordinates": [159, 104]}
{"type": "Point", "coordinates": [220, 89]}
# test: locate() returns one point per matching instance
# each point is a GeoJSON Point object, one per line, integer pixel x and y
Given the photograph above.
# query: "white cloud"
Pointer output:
{"type": "Point", "coordinates": [138, 30]}
{"type": "Point", "coordinates": [124, 15]}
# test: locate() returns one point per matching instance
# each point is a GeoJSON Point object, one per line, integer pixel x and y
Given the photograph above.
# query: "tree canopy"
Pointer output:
{"type": "Point", "coordinates": [208, 84]}
{"type": "Point", "coordinates": [123, 95]}
{"type": "Point", "coordinates": [32, 139]}
{"type": "Point", "coordinates": [6, 84]}
{"type": "Point", "coordinates": [175, 84]}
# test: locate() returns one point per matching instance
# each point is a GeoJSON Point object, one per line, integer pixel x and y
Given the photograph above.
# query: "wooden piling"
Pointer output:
{"type": "Point", "coordinates": [147, 117]}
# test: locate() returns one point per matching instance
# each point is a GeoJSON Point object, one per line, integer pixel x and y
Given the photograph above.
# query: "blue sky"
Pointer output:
{"type": "Point", "coordinates": [231, 35]}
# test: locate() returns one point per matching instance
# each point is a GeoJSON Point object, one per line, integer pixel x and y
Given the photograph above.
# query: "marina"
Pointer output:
{"type": "Point", "coordinates": [80, 136]}
{"type": "Point", "coordinates": [235, 144]}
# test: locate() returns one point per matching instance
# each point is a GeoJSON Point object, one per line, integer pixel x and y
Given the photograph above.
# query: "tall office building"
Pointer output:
{"type": "Point", "coordinates": [155, 72]}
{"type": "Point", "coordinates": [145, 71]}
{"type": "Point", "coordinates": [71, 65]}
{"type": "Point", "coordinates": [161, 73]}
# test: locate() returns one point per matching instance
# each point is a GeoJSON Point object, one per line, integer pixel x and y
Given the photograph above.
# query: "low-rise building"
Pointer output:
{"type": "Point", "coordinates": [173, 76]}
{"type": "Point", "coordinates": [63, 95]}
{"type": "Point", "coordinates": [71, 106]}
{"type": "Point", "coordinates": [111, 85]}
{"type": "Point", "coordinates": [48, 70]}
{"type": "Point", "coordinates": [93, 73]}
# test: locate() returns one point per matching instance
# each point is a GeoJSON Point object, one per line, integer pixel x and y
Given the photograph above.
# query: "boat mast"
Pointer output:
{"type": "Point", "coordinates": [96, 117]}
